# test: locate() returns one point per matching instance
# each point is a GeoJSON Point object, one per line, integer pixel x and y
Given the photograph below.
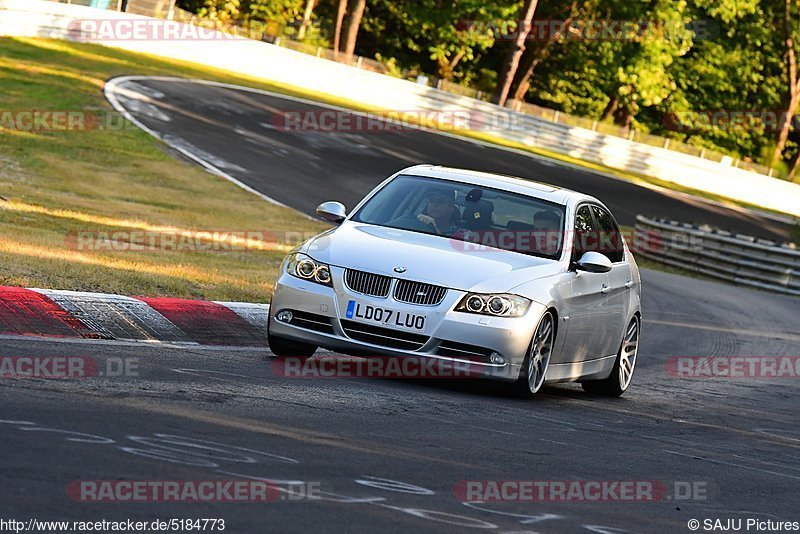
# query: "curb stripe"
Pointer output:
{"type": "Point", "coordinates": [82, 315]}
{"type": "Point", "coordinates": [26, 312]}
{"type": "Point", "coordinates": [208, 323]}
{"type": "Point", "coordinates": [255, 314]}
{"type": "Point", "coordinates": [117, 317]}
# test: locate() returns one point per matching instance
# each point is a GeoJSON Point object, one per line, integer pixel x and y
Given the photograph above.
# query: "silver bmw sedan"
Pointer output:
{"type": "Point", "coordinates": [521, 281]}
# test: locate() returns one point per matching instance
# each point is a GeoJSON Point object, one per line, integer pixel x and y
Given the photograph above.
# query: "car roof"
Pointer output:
{"type": "Point", "coordinates": [532, 188]}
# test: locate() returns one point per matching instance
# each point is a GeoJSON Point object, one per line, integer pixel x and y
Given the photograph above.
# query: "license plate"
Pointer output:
{"type": "Point", "coordinates": [385, 316]}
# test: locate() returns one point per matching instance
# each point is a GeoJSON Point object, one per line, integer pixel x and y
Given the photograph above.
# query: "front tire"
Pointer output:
{"type": "Point", "coordinates": [286, 348]}
{"type": "Point", "coordinates": [621, 375]}
{"type": "Point", "coordinates": [534, 367]}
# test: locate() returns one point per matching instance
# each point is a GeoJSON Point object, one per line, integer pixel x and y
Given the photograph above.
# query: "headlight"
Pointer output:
{"type": "Point", "coordinates": [302, 266]}
{"type": "Point", "coordinates": [497, 305]}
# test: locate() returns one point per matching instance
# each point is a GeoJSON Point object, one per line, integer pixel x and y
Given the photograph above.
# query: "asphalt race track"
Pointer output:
{"type": "Point", "coordinates": [385, 455]}
{"type": "Point", "coordinates": [242, 134]}
{"type": "Point", "coordinates": [738, 438]}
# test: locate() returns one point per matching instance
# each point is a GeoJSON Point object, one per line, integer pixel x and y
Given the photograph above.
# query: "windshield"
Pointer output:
{"type": "Point", "coordinates": [468, 214]}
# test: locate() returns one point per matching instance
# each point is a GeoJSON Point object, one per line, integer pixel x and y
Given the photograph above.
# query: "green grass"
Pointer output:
{"type": "Point", "coordinates": [56, 184]}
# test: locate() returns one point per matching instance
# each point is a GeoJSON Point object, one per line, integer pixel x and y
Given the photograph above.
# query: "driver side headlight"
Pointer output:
{"type": "Point", "coordinates": [497, 305]}
{"type": "Point", "coordinates": [304, 267]}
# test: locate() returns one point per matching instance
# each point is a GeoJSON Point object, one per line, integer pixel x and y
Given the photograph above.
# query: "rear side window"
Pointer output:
{"type": "Point", "coordinates": [610, 241]}
{"type": "Point", "coordinates": [585, 232]}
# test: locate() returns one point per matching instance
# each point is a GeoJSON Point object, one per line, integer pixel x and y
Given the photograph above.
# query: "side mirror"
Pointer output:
{"type": "Point", "coordinates": [594, 262]}
{"type": "Point", "coordinates": [334, 212]}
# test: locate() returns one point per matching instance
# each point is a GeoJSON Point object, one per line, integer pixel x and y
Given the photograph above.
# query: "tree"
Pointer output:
{"type": "Point", "coordinates": [307, 12]}
{"type": "Point", "coordinates": [787, 30]}
{"type": "Point", "coordinates": [728, 68]}
{"type": "Point", "coordinates": [281, 12]}
{"type": "Point", "coordinates": [337, 35]}
{"type": "Point", "coordinates": [356, 9]}
{"type": "Point", "coordinates": [643, 77]}
{"type": "Point", "coordinates": [537, 51]}
{"type": "Point", "coordinates": [617, 68]}
{"type": "Point", "coordinates": [461, 32]}
{"type": "Point", "coordinates": [451, 32]}
{"type": "Point", "coordinates": [515, 51]}
{"type": "Point", "coordinates": [223, 11]}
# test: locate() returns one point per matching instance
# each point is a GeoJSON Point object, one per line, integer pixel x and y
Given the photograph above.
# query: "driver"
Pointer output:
{"type": "Point", "coordinates": [440, 213]}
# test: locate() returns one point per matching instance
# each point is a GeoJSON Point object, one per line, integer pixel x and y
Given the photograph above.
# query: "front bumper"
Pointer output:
{"type": "Point", "coordinates": [445, 329]}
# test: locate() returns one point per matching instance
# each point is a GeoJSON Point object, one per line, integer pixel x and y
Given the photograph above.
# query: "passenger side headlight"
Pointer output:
{"type": "Point", "coordinates": [500, 305]}
{"type": "Point", "coordinates": [304, 267]}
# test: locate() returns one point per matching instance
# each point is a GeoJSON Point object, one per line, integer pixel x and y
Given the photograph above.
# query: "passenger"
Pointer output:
{"type": "Point", "coordinates": [546, 221]}
{"type": "Point", "coordinates": [547, 231]}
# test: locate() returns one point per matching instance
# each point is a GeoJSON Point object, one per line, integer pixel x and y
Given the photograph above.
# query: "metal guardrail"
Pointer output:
{"type": "Point", "coordinates": [736, 258]}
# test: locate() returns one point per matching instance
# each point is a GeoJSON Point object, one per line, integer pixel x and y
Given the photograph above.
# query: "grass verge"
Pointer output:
{"type": "Point", "coordinates": [121, 187]}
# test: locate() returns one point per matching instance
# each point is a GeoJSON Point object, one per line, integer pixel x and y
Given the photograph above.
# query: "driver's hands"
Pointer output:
{"type": "Point", "coordinates": [426, 219]}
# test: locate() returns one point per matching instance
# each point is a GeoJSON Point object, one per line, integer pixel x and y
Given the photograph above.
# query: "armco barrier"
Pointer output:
{"type": "Point", "coordinates": [736, 258]}
{"type": "Point", "coordinates": [265, 61]}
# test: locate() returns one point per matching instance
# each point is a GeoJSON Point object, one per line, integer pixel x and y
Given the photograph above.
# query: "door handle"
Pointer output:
{"type": "Point", "coordinates": [629, 284]}
{"type": "Point", "coordinates": [605, 289]}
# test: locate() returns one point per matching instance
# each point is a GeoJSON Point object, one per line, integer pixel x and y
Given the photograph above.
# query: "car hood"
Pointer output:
{"type": "Point", "coordinates": [427, 258]}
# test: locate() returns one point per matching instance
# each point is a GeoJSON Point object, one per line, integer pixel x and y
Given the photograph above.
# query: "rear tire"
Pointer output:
{"type": "Point", "coordinates": [287, 348]}
{"type": "Point", "coordinates": [622, 373]}
{"type": "Point", "coordinates": [534, 367]}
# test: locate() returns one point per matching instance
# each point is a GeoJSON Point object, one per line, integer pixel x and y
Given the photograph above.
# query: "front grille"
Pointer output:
{"type": "Point", "coordinates": [312, 321]}
{"type": "Point", "coordinates": [374, 285]}
{"type": "Point", "coordinates": [385, 337]}
{"type": "Point", "coordinates": [453, 349]}
{"type": "Point", "coordinates": [419, 293]}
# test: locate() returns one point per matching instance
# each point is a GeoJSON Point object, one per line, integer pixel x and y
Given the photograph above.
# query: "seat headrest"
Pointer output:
{"type": "Point", "coordinates": [477, 214]}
